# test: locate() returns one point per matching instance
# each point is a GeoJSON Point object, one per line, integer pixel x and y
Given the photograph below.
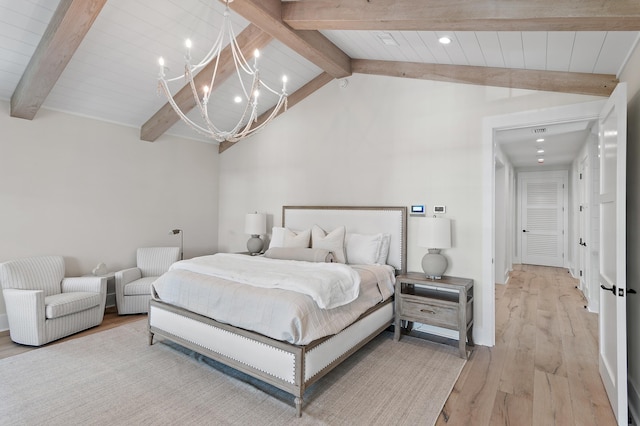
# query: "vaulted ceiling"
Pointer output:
{"type": "Point", "coordinates": [98, 58]}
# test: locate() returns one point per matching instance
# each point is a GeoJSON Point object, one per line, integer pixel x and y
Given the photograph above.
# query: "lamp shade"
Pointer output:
{"type": "Point", "coordinates": [435, 233]}
{"type": "Point", "coordinates": [255, 224]}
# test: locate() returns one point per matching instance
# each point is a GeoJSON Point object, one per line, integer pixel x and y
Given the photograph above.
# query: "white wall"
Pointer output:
{"type": "Point", "coordinates": [379, 141]}
{"type": "Point", "coordinates": [631, 75]}
{"type": "Point", "coordinates": [94, 192]}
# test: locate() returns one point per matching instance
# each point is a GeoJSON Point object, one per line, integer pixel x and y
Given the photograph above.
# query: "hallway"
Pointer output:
{"type": "Point", "coordinates": [543, 369]}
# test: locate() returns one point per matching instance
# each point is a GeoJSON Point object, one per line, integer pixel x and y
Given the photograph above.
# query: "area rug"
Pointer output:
{"type": "Point", "coordinates": [114, 377]}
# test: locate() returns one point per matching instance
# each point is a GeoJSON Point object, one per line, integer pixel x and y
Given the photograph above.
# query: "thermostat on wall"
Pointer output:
{"type": "Point", "coordinates": [439, 209]}
{"type": "Point", "coordinates": [417, 209]}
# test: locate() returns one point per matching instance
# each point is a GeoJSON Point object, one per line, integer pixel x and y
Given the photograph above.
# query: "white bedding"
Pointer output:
{"type": "Point", "coordinates": [329, 284]}
{"type": "Point", "coordinates": [275, 312]}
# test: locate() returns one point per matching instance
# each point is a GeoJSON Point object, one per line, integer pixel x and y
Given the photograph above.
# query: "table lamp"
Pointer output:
{"type": "Point", "coordinates": [434, 234]}
{"type": "Point", "coordinates": [255, 224]}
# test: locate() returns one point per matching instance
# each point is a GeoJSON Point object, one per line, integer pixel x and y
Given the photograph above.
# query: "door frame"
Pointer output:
{"type": "Point", "coordinates": [584, 210]}
{"type": "Point", "coordinates": [484, 328]}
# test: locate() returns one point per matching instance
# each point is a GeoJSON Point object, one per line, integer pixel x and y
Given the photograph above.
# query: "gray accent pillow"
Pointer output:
{"type": "Point", "coordinates": [299, 253]}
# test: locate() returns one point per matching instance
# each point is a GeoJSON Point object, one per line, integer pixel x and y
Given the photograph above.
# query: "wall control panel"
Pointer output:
{"type": "Point", "coordinates": [417, 210]}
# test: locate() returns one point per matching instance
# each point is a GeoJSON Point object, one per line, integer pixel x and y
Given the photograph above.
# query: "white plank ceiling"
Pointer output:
{"type": "Point", "coordinates": [113, 74]}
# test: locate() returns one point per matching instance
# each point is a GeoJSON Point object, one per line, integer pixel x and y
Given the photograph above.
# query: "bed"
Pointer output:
{"type": "Point", "coordinates": [284, 360]}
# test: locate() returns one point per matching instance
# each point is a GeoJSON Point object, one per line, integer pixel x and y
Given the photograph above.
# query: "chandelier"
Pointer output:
{"type": "Point", "coordinates": [250, 83]}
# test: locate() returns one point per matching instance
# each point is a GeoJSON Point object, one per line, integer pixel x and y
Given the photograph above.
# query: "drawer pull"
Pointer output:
{"type": "Point", "coordinates": [428, 311]}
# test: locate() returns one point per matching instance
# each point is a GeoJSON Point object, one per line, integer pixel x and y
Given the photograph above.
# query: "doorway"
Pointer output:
{"type": "Point", "coordinates": [543, 216]}
{"type": "Point", "coordinates": [484, 330]}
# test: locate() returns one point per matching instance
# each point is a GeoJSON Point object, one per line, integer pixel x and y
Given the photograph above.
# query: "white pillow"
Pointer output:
{"type": "Point", "coordinates": [363, 249]}
{"type": "Point", "coordinates": [333, 241]}
{"type": "Point", "coordinates": [284, 237]}
{"type": "Point", "coordinates": [383, 253]}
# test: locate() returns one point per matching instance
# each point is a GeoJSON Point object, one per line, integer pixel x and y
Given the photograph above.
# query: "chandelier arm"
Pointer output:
{"type": "Point", "coordinates": [266, 86]}
{"type": "Point", "coordinates": [274, 113]}
{"type": "Point", "coordinates": [239, 122]}
{"type": "Point", "coordinates": [238, 60]}
{"type": "Point", "coordinates": [249, 131]}
{"type": "Point", "coordinates": [237, 53]}
{"type": "Point", "coordinates": [214, 73]}
{"type": "Point", "coordinates": [186, 119]}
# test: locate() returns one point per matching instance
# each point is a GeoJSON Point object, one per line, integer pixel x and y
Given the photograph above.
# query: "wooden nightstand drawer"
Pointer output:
{"type": "Point", "coordinates": [430, 312]}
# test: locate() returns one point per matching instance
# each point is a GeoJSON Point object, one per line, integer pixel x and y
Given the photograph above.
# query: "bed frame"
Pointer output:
{"type": "Point", "coordinates": [289, 367]}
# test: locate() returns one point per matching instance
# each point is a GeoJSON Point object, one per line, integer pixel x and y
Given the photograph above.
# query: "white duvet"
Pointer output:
{"type": "Point", "coordinates": [329, 284]}
{"type": "Point", "coordinates": [281, 314]}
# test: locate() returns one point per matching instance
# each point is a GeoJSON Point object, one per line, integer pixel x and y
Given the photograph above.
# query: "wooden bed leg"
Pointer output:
{"type": "Point", "coordinates": [298, 401]}
{"type": "Point", "coordinates": [150, 338]}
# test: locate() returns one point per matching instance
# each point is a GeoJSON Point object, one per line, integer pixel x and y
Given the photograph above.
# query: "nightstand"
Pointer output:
{"type": "Point", "coordinates": [111, 287]}
{"type": "Point", "coordinates": [446, 303]}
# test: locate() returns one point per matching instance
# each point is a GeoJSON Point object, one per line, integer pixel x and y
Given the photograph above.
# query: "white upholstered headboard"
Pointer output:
{"type": "Point", "coordinates": [361, 220]}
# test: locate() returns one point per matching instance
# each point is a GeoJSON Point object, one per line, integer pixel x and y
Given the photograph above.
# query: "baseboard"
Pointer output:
{"type": "Point", "coordinates": [634, 401]}
{"type": "Point", "coordinates": [4, 322]}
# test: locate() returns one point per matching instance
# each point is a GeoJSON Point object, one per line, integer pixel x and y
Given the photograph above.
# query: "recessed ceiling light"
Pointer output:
{"type": "Point", "coordinates": [540, 140]}
{"type": "Point", "coordinates": [541, 151]}
{"type": "Point", "coordinates": [444, 40]}
{"type": "Point", "coordinates": [540, 160]}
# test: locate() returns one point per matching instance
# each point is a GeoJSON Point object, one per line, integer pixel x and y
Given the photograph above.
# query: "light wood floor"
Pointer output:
{"type": "Point", "coordinates": [543, 369]}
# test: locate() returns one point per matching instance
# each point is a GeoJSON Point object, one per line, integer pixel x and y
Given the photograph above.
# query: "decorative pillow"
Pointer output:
{"type": "Point", "coordinates": [363, 249]}
{"type": "Point", "coordinates": [297, 253]}
{"type": "Point", "coordinates": [383, 254]}
{"type": "Point", "coordinates": [333, 241]}
{"type": "Point", "coordinates": [284, 237]}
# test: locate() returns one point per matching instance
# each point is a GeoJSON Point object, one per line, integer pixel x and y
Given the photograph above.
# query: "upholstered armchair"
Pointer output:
{"type": "Point", "coordinates": [43, 305]}
{"type": "Point", "coordinates": [133, 285]}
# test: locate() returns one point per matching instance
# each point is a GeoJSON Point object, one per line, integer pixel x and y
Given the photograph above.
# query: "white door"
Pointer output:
{"type": "Point", "coordinates": [542, 217]}
{"type": "Point", "coordinates": [613, 186]}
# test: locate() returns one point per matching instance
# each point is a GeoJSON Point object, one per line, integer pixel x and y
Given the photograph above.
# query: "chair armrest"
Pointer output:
{"type": "Point", "coordinates": [88, 284]}
{"type": "Point", "coordinates": [26, 315]}
{"type": "Point", "coordinates": [126, 276]}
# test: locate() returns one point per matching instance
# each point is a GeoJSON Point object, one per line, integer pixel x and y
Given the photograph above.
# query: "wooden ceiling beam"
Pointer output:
{"type": "Point", "coordinates": [292, 100]}
{"type": "Point", "coordinates": [249, 39]}
{"type": "Point", "coordinates": [552, 81]}
{"type": "Point", "coordinates": [474, 15]}
{"type": "Point", "coordinates": [68, 26]}
{"type": "Point", "coordinates": [311, 45]}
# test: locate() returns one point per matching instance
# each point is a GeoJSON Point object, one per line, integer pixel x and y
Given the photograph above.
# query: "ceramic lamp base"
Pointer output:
{"type": "Point", "coordinates": [434, 264]}
{"type": "Point", "coordinates": [254, 245]}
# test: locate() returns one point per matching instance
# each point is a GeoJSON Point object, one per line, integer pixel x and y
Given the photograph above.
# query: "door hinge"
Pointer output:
{"type": "Point", "coordinates": [580, 176]}
{"type": "Point", "coordinates": [581, 272]}
{"type": "Point", "coordinates": [580, 208]}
